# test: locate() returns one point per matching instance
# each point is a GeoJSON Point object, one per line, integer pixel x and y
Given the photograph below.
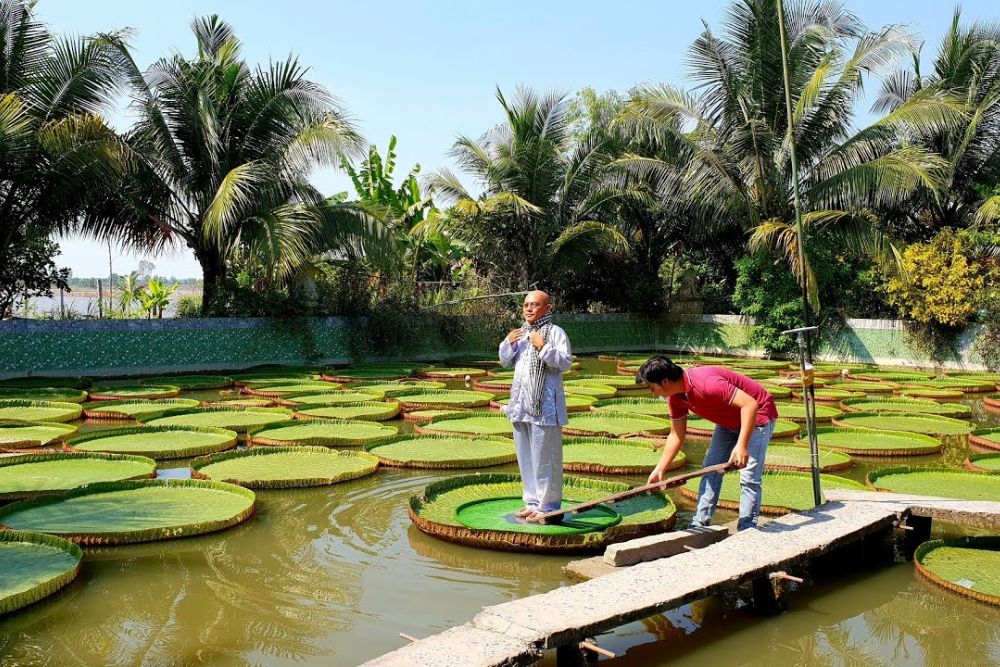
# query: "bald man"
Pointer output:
{"type": "Point", "coordinates": [540, 353]}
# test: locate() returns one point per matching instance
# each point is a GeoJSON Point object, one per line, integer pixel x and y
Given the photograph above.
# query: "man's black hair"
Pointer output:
{"type": "Point", "coordinates": [657, 369]}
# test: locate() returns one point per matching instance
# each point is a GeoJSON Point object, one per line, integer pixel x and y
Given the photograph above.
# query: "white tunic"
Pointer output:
{"type": "Point", "coordinates": [557, 357]}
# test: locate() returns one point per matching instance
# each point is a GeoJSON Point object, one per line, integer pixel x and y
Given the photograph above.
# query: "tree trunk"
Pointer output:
{"type": "Point", "coordinates": [213, 269]}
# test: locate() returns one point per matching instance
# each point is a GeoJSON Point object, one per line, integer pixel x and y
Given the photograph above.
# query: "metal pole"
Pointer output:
{"type": "Point", "coordinates": [100, 300]}
{"type": "Point", "coordinates": [803, 335]}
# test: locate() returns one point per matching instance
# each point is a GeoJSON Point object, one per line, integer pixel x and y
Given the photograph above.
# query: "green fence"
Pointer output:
{"type": "Point", "coordinates": [109, 347]}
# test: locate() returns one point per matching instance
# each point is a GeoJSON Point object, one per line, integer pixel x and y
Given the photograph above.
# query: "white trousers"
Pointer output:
{"type": "Point", "coordinates": [539, 456]}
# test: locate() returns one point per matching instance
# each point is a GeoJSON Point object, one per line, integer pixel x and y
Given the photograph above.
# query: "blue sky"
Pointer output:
{"type": "Point", "coordinates": [427, 71]}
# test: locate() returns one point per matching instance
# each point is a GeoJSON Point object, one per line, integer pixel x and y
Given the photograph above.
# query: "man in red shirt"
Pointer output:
{"type": "Point", "coordinates": [744, 415]}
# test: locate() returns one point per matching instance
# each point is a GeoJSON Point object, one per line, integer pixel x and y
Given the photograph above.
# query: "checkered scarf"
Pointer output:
{"type": "Point", "coordinates": [536, 373]}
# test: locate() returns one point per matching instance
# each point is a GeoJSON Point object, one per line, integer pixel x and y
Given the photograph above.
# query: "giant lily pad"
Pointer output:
{"type": "Point", "coordinates": [872, 442]}
{"type": "Point", "coordinates": [21, 434]}
{"type": "Point", "coordinates": [984, 463]}
{"type": "Point", "coordinates": [133, 392]}
{"type": "Point", "coordinates": [589, 389]}
{"type": "Point", "coordinates": [794, 457]}
{"type": "Point", "coordinates": [192, 382]}
{"type": "Point", "coordinates": [613, 456]}
{"type": "Point", "coordinates": [130, 410]}
{"type": "Point", "coordinates": [375, 411]}
{"type": "Point", "coordinates": [986, 438]}
{"type": "Point", "coordinates": [969, 566]}
{"type": "Point", "coordinates": [963, 384]}
{"type": "Point", "coordinates": [869, 387]}
{"type": "Point", "coordinates": [929, 392]}
{"type": "Point", "coordinates": [59, 394]}
{"type": "Point", "coordinates": [829, 394]}
{"type": "Point", "coordinates": [39, 411]}
{"type": "Point", "coordinates": [327, 398]}
{"type": "Point", "coordinates": [910, 405]}
{"type": "Point", "coordinates": [776, 390]}
{"type": "Point", "coordinates": [619, 382]}
{"type": "Point", "coordinates": [379, 389]}
{"type": "Point", "coordinates": [274, 379]}
{"type": "Point", "coordinates": [699, 428]}
{"type": "Point", "coordinates": [449, 373]}
{"type": "Point", "coordinates": [322, 433]}
{"type": "Point", "coordinates": [371, 372]}
{"type": "Point", "coordinates": [291, 388]}
{"type": "Point", "coordinates": [133, 511]}
{"type": "Point", "coordinates": [891, 376]}
{"type": "Point", "coordinates": [28, 475]}
{"type": "Point", "coordinates": [493, 384]}
{"type": "Point", "coordinates": [574, 403]}
{"type": "Point", "coordinates": [424, 416]}
{"type": "Point", "coordinates": [429, 399]}
{"type": "Point", "coordinates": [942, 482]}
{"type": "Point", "coordinates": [34, 566]}
{"type": "Point", "coordinates": [796, 412]}
{"type": "Point", "coordinates": [499, 514]}
{"type": "Point", "coordinates": [233, 420]}
{"type": "Point", "coordinates": [992, 401]}
{"type": "Point", "coordinates": [902, 421]}
{"type": "Point", "coordinates": [156, 442]}
{"type": "Point", "coordinates": [653, 407]}
{"type": "Point", "coordinates": [784, 491]}
{"type": "Point", "coordinates": [615, 424]}
{"type": "Point", "coordinates": [240, 403]}
{"type": "Point", "coordinates": [444, 451]}
{"type": "Point", "coordinates": [284, 467]}
{"type": "Point", "coordinates": [472, 423]}
{"type": "Point", "coordinates": [434, 512]}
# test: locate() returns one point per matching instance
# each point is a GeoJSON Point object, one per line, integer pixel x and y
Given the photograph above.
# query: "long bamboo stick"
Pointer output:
{"type": "Point", "coordinates": [655, 486]}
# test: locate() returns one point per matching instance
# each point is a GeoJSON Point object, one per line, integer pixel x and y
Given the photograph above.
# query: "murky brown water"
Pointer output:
{"type": "Point", "coordinates": [330, 576]}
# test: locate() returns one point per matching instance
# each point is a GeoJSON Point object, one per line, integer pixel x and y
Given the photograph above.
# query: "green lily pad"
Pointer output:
{"type": "Point", "coordinates": [284, 467]}
{"type": "Point", "coordinates": [499, 514]}
{"type": "Point", "coordinates": [292, 388]}
{"type": "Point", "coordinates": [424, 416]}
{"type": "Point", "coordinates": [653, 407]}
{"type": "Point", "coordinates": [929, 392]}
{"type": "Point", "coordinates": [132, 392]}
{"type": "Point", "coordinates": [493, 384]}
{"type": "Point", "coordinates": [902, 421]}
{"type": "Point", "coordinates": [702, 428]}
{"type": "Point", "coordinates": [891, 376]}
{"type": "Point", "coordinates": [379, 388]}
{"type": "Point", "coordinates": [366, 410]}
{"type": "Point", "coordinates": [909, 405]}
{"type": "Point", "coordinates": [34, 566]}
{"type": "Point", "coordinates": [133, 511]}
{"type": "Point", "coordinates": [473, 423]}
{"type": "Point", "coordinates": [784, 491]}
{"type": "Point", "coordinates": [443, 451]}
{"type": "Point", "coordinates": [434, 512]}
{"type": "Point", "coordinates": [427, 399]}
{"type": "Point", "coordinates": [241, 403]}
{"type": "Point", "coordinates": [328, 398]}
{"type": "Point", "coordinates": [29, 475]}
{"type": "Point", "coordinates": [373, 372]}
{"type": "Point", "coordinates": [777, 391]}
{"type": "Point", "coordinates": [872, 442]}
{"type": "Point", "coordinates": [831, 395]}
{"type": "Point", "coordinates": [969, 566]}
{"type": "Point", "coordinates": [613, 456]}
{"type": "Point", "coordinates": [59, 394]}
{"type": "Point", "coordinates": [156, 442]}
{"type": "Point", "coordinates": [589, 389]}
{"type": "Point", "coordinates": [191, 382]}
{"type": "Point", "coordinates": [865, 387]}
{"type": "Point", "coordinates": [794, 457]}
{"type": "Point", "coordinates": [615, 424]}
{"type": "Point", "coordinates": [619, 382]}
{"type": "Point", "coordinates": [449, 373]}
{"type": "Point", "coordinates": [986, 438]}
{"type": "Point", "coordinates": [233, 420]}
{"type": "Point", "coordinates": [21, 435]}
{"type": "Point", "coordinates": [984, 463]}
{"type": "Point", "coordinates": [130, 410]}
{"type": "Point", "coordinates": [796, 412]}
{"type": "Point", "coordinates": [574, 403]}
{"type": "Point", "coordinates": [963, 384]}
{"type": "Point", "coordinates": [322, 433]}
{"type": "Point", "coordinates": [942, 482]}
{"type": "Point", "coordinates": [39, 411]}
{"type": "Point", "coordinates": [275, 379]}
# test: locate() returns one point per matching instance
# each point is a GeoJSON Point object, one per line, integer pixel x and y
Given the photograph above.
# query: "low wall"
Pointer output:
{"type": "Point", "coordinates": [129, 347]}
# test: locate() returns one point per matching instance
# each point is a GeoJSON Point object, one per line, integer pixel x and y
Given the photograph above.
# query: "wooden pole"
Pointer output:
{"type": "Point", "coordinates": [655, 486]}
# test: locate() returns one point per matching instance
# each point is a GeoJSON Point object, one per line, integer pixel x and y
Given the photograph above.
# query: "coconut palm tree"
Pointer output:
{"type": "Point", "coordinates": [53, 143]}
{"type": "Point", "coordinates": [720, 151]}
{"type": "Point", "coordinates": [224, 151]}
{"type": "Point", "coordinates": [967, 66]}
{"type": "Point", "coordinates": [547, 199]}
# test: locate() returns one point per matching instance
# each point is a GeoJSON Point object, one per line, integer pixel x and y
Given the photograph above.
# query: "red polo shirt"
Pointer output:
{"type": "Point", "coordinates": [709, 391]}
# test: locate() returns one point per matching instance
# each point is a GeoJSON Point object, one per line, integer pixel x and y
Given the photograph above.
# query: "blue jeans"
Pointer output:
{"type": "Point", "coordinates": [719, 450]}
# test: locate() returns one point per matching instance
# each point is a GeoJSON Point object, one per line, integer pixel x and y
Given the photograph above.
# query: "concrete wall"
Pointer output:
{"type": "Point", "coordinates": [123, 347]}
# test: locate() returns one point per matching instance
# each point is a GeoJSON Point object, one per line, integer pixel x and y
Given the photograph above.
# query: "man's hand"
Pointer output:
{"type": "Point", "coordinates": [514, 336]}
{"type": "Point", "coordinates": [537, 340]}
{"type": "Point", "coordinates": [740, 456]}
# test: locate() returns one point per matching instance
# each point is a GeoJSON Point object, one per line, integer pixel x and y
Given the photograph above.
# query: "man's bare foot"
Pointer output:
{"type": "Point", "coordinates": [525, 512]}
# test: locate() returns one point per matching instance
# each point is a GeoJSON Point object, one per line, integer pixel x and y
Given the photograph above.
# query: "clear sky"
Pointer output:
{"type": "Point", "coordinates": [426, 70]}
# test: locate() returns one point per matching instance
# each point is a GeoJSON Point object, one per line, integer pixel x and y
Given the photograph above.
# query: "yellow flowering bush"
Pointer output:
{"type": "Point", "coordinates": [941, 285]}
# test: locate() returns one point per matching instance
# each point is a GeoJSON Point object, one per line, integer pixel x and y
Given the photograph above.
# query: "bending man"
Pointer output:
{"type": "Point", "coordinates": [540, 353]}
{"type": "Point", "coordinates": [744, 415]}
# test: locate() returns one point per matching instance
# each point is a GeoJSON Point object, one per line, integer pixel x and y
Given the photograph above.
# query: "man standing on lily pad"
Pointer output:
{"type": "Point", "coordinates": [743, 413]}
{"type": "Point", "coordinates": [540, 353]}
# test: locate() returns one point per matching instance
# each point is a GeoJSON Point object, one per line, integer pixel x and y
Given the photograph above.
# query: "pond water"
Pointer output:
{"type": "Point", "coordinates": [331, 576]}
